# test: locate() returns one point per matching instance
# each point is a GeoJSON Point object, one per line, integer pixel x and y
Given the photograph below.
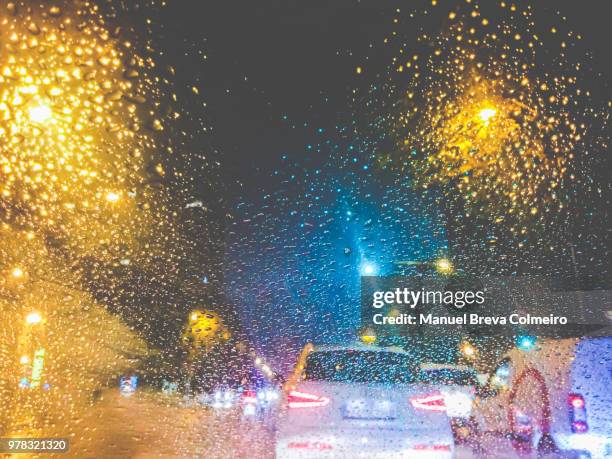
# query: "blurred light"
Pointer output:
{"type": "Point", "coordinates": [467, 350]}
{"type": "Point", "coordinates": [432, 402]}
{"type": "Point", "coordinates": [24, 359]}
{"type": "Point", "coordinates": [526, 342]}
{"type": "Point", "coordinates": [458, 404]}
{"type": "Point", "coordinates": [486, 114]}
{"type": "Point", "coordinates": [194, 316]}
{"type": "Point", "coordinates": [112, 197]}
{"type": "Point", "coordinates": [33, 318]}
{"type": "Point", "coordinates": [17, 272]}
{"type": "Point", "coordinates": [368, 336]}
{"type": "Point", "coordinates": [576, 401]}
{"type": "Point", "coordinates": [40, 113]}
{"type": "Point", "coordinates": [444, 266]}
{"type": "Point", "coordinates": [368, 269]}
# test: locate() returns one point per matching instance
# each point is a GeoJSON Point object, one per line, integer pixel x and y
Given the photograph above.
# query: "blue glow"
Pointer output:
{"type": "Point", "coordinates": [368, 269]}
{"type": "Point", "coordinates": [526, 342]}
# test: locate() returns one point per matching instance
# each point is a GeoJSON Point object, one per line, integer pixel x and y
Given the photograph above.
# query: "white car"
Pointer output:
{"type": "Point", "coordinates": [361, 401]}
{"type": "Point", "coordinates": [552, 399]}
{"type": "Point", "coordinates": [458, 384]}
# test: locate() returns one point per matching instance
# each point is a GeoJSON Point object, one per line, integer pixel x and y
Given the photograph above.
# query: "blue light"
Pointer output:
{"type": "Point", "coordinates": [368, 269]}
{"type": "Point", "coordinates": [526, 342]}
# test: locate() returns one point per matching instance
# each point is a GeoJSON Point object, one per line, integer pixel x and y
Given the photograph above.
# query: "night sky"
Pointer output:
{"type": "Point", "coordinates": [259, 61]}
{"type": "Point", "coordinates": [277, 79]}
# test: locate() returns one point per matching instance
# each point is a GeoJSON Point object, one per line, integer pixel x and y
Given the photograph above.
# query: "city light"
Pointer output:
{"type": "Point", "coordinates": [486, 114]}
{"type": "Point", "coordinates": [368, 269]}
{"type": "Point", "coordinates": [17, 272]}
{"type": "Point", "coordinates": [112, 197]}
{"type": "Point", "coordinates": [368, 336]}
{"type": "Point", "coordinates": [467, 350]}
{"type": "Point", "coordinates": [33, 318]}
{"type": "Point", "coordinates": [444, 266]}
{"type": "Point", "coordinates": [40, 113]}
{"type": "Point", "coordinates": [526, 343]}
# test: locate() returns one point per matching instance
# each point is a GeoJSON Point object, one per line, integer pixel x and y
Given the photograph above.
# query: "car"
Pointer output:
{"type": "Point", "coordinates": [458, 384]}
{"type": "Point", "coordinates": [551, 398]}
{"type": "Point", "coordinates": [361, 401]}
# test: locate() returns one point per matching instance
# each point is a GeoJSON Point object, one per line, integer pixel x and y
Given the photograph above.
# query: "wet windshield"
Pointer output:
{"type": "Point", "coordinates": [293, 229]}
{"type": "Point", "coordinates": [359, 367]}
{"type": "Point", "coordinates": [449, 377]}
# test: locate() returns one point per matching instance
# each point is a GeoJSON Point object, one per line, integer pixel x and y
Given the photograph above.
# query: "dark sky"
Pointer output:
{"type": "Point", "coordinates": [272, 72]}
{"type": "Point", "coordinates": [271, 58]}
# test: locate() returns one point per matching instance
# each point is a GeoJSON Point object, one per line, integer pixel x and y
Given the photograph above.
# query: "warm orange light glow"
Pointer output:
{"type": "Point", "coordinates": [40, 113]}
{"type": "Point", "coordinates": [486, 114]}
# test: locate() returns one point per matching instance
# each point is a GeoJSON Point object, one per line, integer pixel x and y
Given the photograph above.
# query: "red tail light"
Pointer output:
{"type": "Point", "coordinates": [433, 402]}
{"type": "Point", "coordinates": [298, 399]}
{"type": "Point", "coordinates": [249, 397]}
{"type": "Point", "coordinates": [577, 413]}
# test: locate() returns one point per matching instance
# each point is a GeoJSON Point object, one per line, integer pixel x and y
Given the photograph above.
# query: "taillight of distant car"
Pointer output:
{"type": "Point", "coordinates": [432, 402]}
{"type": "Point", "coordinates": [249, 397]}
{"type": "Point", "coordinates": [298, 399]}
{"type": "Point", "coordinates": [577, 413]}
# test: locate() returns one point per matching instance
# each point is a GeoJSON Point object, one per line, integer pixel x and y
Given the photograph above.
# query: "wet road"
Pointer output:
{"type": "Point", "coordinates": [149, 425]}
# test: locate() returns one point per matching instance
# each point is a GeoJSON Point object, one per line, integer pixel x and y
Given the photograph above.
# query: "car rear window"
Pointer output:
{"type": "Point", "coordinates": [449, 377]}
{"type": "Point", "coordinates": [359, 366]}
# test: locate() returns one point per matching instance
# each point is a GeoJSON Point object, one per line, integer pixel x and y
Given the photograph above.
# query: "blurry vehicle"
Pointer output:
{"type": "Point", "coordinates": [221, 398]}
{"type": "Point", "coordinates": [361, 401]}
{"type": "Point", "coordinates": [458, 384]}
{"type": "Point", "coordinates": [259, 403]}
{"type": "Point", "coordinates": [552, 399]}
{"type": "Point", "coordinates": [242, 388]}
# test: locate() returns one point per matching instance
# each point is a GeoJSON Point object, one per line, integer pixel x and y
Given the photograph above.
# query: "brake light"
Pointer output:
{"type": "Point", "coordinates": [576, 401]}
{"type": "Point", "coordinates": [249, 397]}
{"type": "Point", "coordinates": [577, 413]}
{"type": "Point", "coordinates": [298, 399]}
{"type": "Point", "coordinates": [433, 402]}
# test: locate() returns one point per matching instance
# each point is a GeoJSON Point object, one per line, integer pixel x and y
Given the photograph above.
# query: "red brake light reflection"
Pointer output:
{"type": "Point", "coordinates": [576, 401]}
{"type": "Point", "coordinates": [434, 402]}
{"type": "Point", "coordinates": [249, 397]}
{"type": "Point", "coordinates": [298, 399]}
{"type": "Point", "coordinates": [577, 413]}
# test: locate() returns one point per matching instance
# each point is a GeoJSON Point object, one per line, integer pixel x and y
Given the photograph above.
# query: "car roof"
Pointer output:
{"type": "Point", "coordinates": [445, 366]}
{"type": "Point", "coordinates": [360, 347]}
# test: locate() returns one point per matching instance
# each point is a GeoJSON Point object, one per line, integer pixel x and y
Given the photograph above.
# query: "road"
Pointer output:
{"type": "Point", "coordinates": [149, 425]}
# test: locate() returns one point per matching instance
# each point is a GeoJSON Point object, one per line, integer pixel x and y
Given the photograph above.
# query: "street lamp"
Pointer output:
{"type": "Point", "coordinates": [112, 196]}
{"type": "Point", "coordinates": [368, 269]}
{"type": "Point", "coordinates": [486, 114]}
{"type": "Point", "coordinates": [33, 318]}
{"type": "Point", "coordinates": [40, 113]}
